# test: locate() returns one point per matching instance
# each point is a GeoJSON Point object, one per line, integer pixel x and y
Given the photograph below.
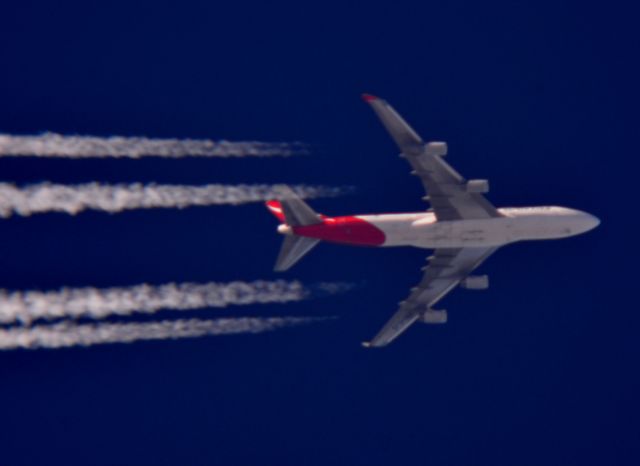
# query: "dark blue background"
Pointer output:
{"type": "Point", "coordinates": [538, 97]}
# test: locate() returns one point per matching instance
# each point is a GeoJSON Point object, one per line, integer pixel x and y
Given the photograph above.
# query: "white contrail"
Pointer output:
{"type": "Point", "coordinates": [67, 334]}
{"type": "Point", "coordinates": [47, 197]}
{"type": "Point", "coordinates": [98, 303]}
{"type": "Point", "coordinates": [78, 147]}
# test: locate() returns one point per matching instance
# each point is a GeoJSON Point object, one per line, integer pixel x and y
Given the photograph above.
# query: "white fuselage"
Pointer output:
{"type": "Point", "coordinates": [516, 224]}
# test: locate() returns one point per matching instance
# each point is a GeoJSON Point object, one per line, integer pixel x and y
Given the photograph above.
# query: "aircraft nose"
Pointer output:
{"type": "Point", "coordinates": [588, 222]}
{"type": "Point", "coordinates": [594, 221]}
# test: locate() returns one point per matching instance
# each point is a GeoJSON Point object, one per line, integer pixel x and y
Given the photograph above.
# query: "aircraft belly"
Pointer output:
{"type": "Point", "coordinates": [467, 233]}
{"type": "Point", "coordinates": [396, 227]}
{"type": "Point", "coordinates": [425, 232]}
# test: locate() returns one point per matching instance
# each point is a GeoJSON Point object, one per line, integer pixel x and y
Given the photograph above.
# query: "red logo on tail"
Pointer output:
{"type": "Point", "coordinates": [276, 209]}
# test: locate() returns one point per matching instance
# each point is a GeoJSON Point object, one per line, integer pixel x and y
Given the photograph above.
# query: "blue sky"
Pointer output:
{"type": "Point", "coordinates": [537, 97]}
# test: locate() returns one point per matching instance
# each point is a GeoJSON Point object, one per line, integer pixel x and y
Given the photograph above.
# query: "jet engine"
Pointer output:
{"type": "Point", "coordinates": [432, 316]}
{"type": "Point", "coordinates": [478, 186]}
{"type": "Point", "coordinates": [436, 148]}
{"type": "Point", "coordinates": [475, 282]}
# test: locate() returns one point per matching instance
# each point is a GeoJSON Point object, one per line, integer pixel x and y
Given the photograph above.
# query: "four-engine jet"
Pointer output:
{"type": "Point", "coordinates": [461, 225]}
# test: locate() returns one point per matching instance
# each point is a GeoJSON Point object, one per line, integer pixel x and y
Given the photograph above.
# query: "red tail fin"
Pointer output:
{"type": "Point", "coordinates": [276, 209]}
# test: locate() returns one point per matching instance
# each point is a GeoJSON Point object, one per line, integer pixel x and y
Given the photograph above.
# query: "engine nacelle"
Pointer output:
{"type": "Point", "coordinates": [432, 316]}
{"type": "Point", "coordinates": [436, 148]}
{"type": "Point", "coordinates": [475, 282]}
{"type": "Point", "coordinates": [478, 186]}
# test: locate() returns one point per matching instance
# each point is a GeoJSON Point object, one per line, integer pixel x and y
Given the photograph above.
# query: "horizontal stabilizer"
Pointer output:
{"type": "Point", "coordinates": [296, 212]}
{"type": "Point", "coordinates": [293, 249]}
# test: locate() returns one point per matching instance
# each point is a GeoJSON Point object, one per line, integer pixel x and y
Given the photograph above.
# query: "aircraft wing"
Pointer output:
{"type": "Point", "coordinates": [446, 269]}
{"type": "Point", "coordinates": [447, 191]}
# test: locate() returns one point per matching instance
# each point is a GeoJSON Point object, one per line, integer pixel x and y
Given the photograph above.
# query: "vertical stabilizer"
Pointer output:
{"type": "Point", "coordinates": [293, 212]}
{"type": "Point", "coordinates": [276, 209]}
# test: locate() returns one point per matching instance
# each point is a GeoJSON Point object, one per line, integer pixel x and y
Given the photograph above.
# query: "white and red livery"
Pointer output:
{"type": "Point", "coordinates": [462, 226]}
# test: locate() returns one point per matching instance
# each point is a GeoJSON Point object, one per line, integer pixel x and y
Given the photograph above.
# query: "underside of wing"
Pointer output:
{"type": "Point", "coordinates": [446, 269]}
{"type": "Point", "coordinates": [404, 135]}
{"type": "Point", "coordinates": [451, 196]}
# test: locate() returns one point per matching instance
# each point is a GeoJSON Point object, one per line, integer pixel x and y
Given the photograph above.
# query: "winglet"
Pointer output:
{"type": "Point", "coordinates": [366, 344]}
{"type": "Point", "coordinates": [369, 97]}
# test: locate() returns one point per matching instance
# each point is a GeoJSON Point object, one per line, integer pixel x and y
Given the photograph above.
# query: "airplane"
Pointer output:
{"type": "Point", "coordinates": [461, 225]}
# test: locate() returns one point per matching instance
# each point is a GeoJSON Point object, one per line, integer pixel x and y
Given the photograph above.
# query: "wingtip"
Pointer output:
{"type": "Point", "coordinates": [369, 97]}
{"type": "Point", "coordinates": [366, 344]}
